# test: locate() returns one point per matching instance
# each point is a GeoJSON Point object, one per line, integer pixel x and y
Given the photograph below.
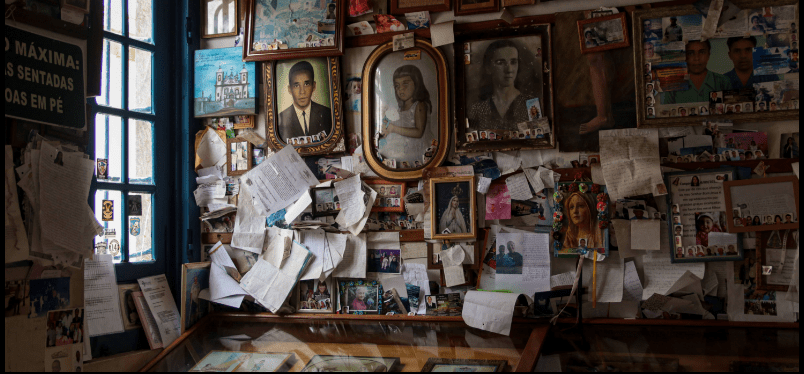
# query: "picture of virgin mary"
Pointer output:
{"type": "Point", "coordinates": [582, 222]}
{"type": "Point", "coordinates": [453, 207]}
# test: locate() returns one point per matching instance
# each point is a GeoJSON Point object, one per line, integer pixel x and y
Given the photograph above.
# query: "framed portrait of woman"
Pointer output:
{"type": "Point", "coordinates": [452, 208]}
{"type": "Point", "coordinates": [747, 70]}
{"type": "Point", "coordinates": [580, 224]}
{"type": "Point", "coordinates": [294, 29]}
{"type": "Point", "coordinates": [505, 89]}
{"type": "Point", "coordinates": [303, 105]}
{"type": "Point", "coordinates": [405, 111]}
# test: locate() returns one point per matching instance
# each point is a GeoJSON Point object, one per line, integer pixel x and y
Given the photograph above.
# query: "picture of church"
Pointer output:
{"type": "Point", "coordinates": [224, 85]}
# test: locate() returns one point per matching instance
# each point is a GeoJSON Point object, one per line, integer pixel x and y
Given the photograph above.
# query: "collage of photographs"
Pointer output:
{"type": "Point", "coordinates": [749, 65]}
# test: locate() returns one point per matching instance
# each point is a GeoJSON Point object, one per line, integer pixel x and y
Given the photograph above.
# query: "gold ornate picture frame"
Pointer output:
{"type": "Point", "coordinates": [453, 208]}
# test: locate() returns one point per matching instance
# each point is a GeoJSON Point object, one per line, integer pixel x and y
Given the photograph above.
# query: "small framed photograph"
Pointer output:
{"type": "Point", "coordinates": [238, 156]}
{"type": "Point", "coordinates": [131, 319]}
{"type": "Point", "coordinates": [452, 207]}
{"type": "Point", "coordinates": [219, 18]}
{"type": "Point", "coordinates": [358, 296]}
{"type": "Point", "coordinates": [603, 33]}
{"type": "Point", "coordinates": [410, 6]}
{"type": "Point", "coordinates": [315, 296]}
{"type": "Point", "coordinates": [467, 7]}
{"type": "Point", "coordinates": [389, 195]}
{"type": "Point", "coordinates": [461, 365]}
{"type": "Point", "coordinates": [386, 261]}
{"type": "Point", "coordinates": [243, 122]}
{"type": "Point", "coordinates": [325, 202]}
{"type": "Point", "coordinates": [769, 203]}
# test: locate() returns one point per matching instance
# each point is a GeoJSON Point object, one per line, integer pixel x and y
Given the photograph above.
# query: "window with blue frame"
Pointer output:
{"type": "Point", "coordinates": [130, 120]}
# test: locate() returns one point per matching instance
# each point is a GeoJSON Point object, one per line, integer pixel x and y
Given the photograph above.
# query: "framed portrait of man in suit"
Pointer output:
{"type": "Point", "coordinates": [303, 105]}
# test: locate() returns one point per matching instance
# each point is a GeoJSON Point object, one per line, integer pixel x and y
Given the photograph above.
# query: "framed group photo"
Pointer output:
{"type": "Point", "coordinates": [504, 66]}
{"type": "Point", "coordinates": [303, 105]}
{"type": "Point", "coordinates": [746, 71]}
{"type": "Point", "coordinates": [603, 33]}
{"type": "Point", "coordinates": [325, 202]}
{"type": "Point", "coordinates": [294, 29]}
{"type": "Point", "coordinates": [762, 204]}
{"type": "Point", "coordinates": [390, 195]}
{"type": "Point", "coordinates": [405, 111]}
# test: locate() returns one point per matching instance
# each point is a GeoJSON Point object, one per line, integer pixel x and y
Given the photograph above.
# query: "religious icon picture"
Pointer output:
{"type": "Point", "coordinates": [134, 205]}
{"type": "Point", "coordinates": [107, 210]}
{"type": "Point", "coordinates": [452, 207]}
{"type": "Point", "coordinates": [224, 84]}
{"type": "Point", "coordinates": [103, 169]}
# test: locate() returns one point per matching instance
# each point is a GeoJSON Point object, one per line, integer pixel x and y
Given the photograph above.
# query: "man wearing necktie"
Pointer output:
{"type": "Point", "coordinates": [305, 117]}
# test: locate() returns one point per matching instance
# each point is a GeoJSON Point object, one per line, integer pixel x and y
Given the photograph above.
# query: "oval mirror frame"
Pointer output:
{"type": "Point", "coordinates": [368, 106]}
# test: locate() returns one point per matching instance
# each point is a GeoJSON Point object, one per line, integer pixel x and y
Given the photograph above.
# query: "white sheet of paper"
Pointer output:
{"type": "Point", "coordinates": [212, 193]}
{"type": "Point", "coordinates": [597, 174]}
{"type": "Point", "coordinates": [279, 180]}
{"type": "Point", "coordinates": [357, 228]}
{"type": "Point", "coordinates": [531, 158]}
{"type": "Point", "coordinates": [622, 230]}
{"type": "Point", "coordinates": [507, 162]}
{"type": "Point", "coordinates": [548, 177]}
{"type": "Point", "coordinates": [337, 247]}
{"type": "Point", "coordinates": [271, 286]}
{"type": "Point", "coordinates": [160, 301]}
{"type": "Point", "coordinates": [416, 274]}
{"type": "Point", "coordinates": [350, 195]}
{"type": "Point", "coordinates": [660, 274]}
{"type": "Point", "coordinates": [354, 258]}
{"type": "Point", "coordinates": [518, 187]}
{"type": "Point", "coordinates": [442, 33]}
{"type": "Point", "coordinates": [645, 235]}
{"type": "Point", "coordinates": [315, 241]}
{"type": "Point", "coordinates": [632, 287]}
{"type": "Point", "coordinates": [249, 230]}
{"type": "Point", "coordinates": [609, 278]}
{"type": "Point", "coordinates": [489, 311]}
{"type": "Point", "coordinates": [453, 256]}
{"type": "Point", "coordinates": [211, 149]}
{"type": "Point", "coordinates": [298, 207]}
{"type": "Point", "coordinates": [630, 161]}
{"type": "Point", "coordinates": [535, 273]}
{"type": "Point", "coordinates": [279, 242]}
{"type": "Point", "coordinates": [735, 307]}
{"type": "Point", "coordinates": [454, 275]}
{"type": "Point", "coordinates": [223, 289]}
{"type": "Point", "coordinates": [63, 192]}
{"type": "Point", "coordinates": [16, 236]}
{"type": "Point", "coordinates": [414, 250]}
{"type": "Point", "coordinates": [534, 179]}
{"type": "Point", "coordinates": [101, 299]}
{"type": "Point", "coordinates": [483, 184]}
{"type": "Point", "coordinates": [563, 279]}
{"type": "Point", "coordinates": [396, 282]}
{"type": "Point", "coordinates": [209, 175]}
{"type": "Point", "coordinates": [795, 169]}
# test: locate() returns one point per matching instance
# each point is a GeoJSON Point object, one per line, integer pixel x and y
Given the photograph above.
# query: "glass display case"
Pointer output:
{"type": "Point", "coordinates": [335, 342]}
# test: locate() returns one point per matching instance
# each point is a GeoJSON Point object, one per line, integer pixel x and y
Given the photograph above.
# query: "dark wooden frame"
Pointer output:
{"type": "Point", "coordinates": [667, 179]}
{"type": "Point", "coordinates": [639, 63]}
{"type": "Point", "coordinates": [182, 291]}
{"type": "Point", "coordinates": [727, 186]}
{"type": "Point", "coordinates": [548, 110]}
{"type": "Point", "coordinates": [249, 156]}
{"type": "Point", "coordinates": [432, 362]}
{"type": "Point", "coordinates": [251, 55]}
{"type": "Point", "coordinates": [403, 189]}
{"type": "Point", "coordinates": [494, 7]}
{"type": "Point", "coordinates": [316, 213]}
{"type": "Point", "coordinates": [434, 233]}
{"type": "Point", "coordinates": [244, 125]}
{"type": "Point", "coordinates": [762, 238]}
{"type": "Point", "coordinates": [368, 107]}
{"type": "Point", "coordinates": [235, 20]}
{"type": "Point", "coordinates": [626, 38]}
{"type": "Point", "coordinates": [446, 5]}
{"type": "Point", "coordinates": [84, 10]}
{"type": "Point", "coordinates": [334, 142]}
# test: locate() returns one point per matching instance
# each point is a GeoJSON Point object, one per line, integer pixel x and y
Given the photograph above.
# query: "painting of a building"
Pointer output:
{"type": "Point", "coordinates": [224, 84]}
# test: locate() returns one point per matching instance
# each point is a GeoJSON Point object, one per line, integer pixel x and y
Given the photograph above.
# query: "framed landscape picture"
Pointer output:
{"type": "Point", "coordinates": [224, 84]}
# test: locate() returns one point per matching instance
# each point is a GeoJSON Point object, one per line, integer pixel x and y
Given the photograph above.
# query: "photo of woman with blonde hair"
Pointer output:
{"type": "Point", "coordinates": [582, 223]}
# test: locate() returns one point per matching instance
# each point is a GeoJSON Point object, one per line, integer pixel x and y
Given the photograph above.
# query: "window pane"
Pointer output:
{"type": "Point", "coordinates": [113, 230]}
{"type": "Point", "coordinates": [109, 146]}
{"type": "Point", "coordinates": [139, 80]}
{"type": "Point", "coordinates": [113, 16]}
{"type": "Point", "coordinates": [140, 152]}
{"type": "Point", "coordinates": [111, 75]}
{"type": "Point", "coordinates": [140, 20]}
{"type": "Point", "coordinates": [140, 229]}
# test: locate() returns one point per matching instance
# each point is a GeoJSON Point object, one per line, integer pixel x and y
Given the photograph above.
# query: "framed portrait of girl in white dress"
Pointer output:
{"type": "Point", "coordinates": [452, 208]}
{"type": "Point", "coordinates": [405, 121]}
